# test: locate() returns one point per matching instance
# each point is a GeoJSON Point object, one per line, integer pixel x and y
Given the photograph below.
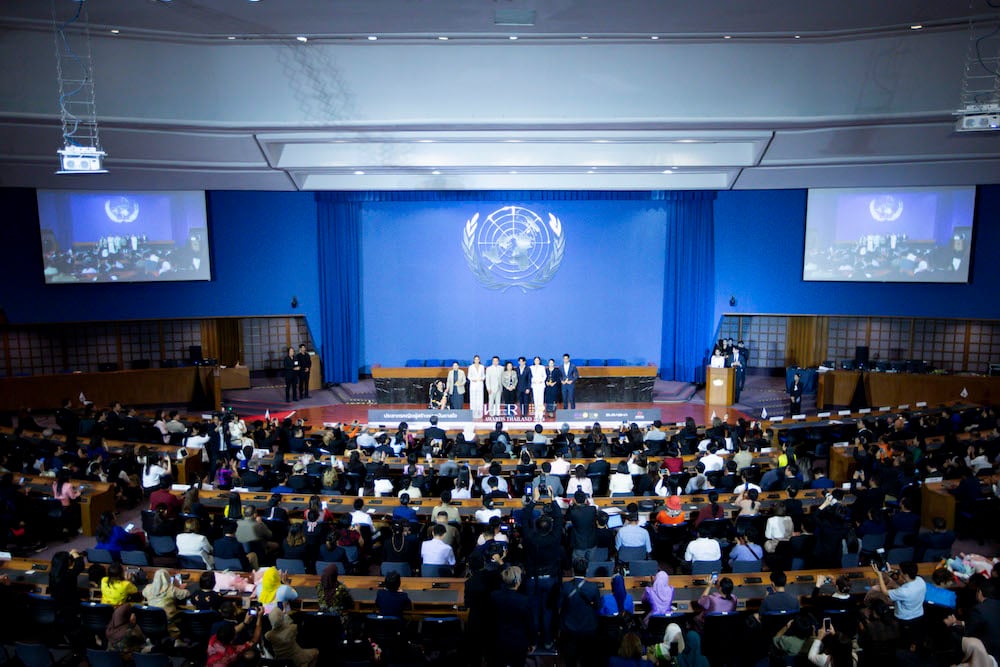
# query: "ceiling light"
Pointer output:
{"type": "Point", "coordinates": [253, 0]}
{"type": "Point", "coordinates": [443, 38]}
{"type": "Point", "coordinates": [916, 26]}
{"type": "Point", "coordinates": [231, 37]}
{"type": "Point", "coordinates": [359, 173]}
{"type": "Point", "coordinates": [425, 141]}
{"type": "Point", "coordinates": [302, 39]}
{"type": "Point", "coordinates": [727, 37]}
{"type": "Point", "coordinates": [115, 31]}
{"type": "Point", "coordinates": [512, 171]}
{"type": "Point", "coordinates": [654, 37]}
{"type": "Point", "coordinates": [798, 36]}
{"type": "Point", "coordinates": [512, 37]}
{"type": "Point", "coordinates": [372, 38]}
{"type": "Point", "coordinates": [590, 171]}
{"type": "Point", "coordinates": [600, 141]}
{"type": "Point", "coordinates": [512, 141]}
{"type": "Point", "coordinates": [584, 37]}
{"type": "Point", "coordinates": [668, 171]}
{"type": "Point", "coordinates": [688, 141]}
{"type": "Point", "coordinates": [436, 172]}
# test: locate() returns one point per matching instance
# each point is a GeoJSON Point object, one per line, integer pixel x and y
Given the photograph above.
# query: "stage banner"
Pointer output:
{"type": "Point", "coordinates": [611, 416]}
{"type": "Point", "coordinates": [391, 418]}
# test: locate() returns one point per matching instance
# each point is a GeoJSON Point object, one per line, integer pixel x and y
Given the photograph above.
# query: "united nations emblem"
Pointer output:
{"type": "Point", "coordinates": [885, 208]}
{"type": "Point", "coordinates": [121, 209]}
{"type": "Point", "coordinates": [513, 247]}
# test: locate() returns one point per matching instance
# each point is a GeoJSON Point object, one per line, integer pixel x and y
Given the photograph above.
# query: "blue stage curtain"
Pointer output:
{"type": "Point", "coordinates": [688, 285]}
{"type": "Point", "coordinates": [340, 286]}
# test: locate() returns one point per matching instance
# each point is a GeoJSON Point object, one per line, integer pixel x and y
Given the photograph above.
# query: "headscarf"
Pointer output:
{"type": "Point", "coordinates": [328, 580]}
{"type": "Point", "coordinates": [618, 590]}
{"type": "Point", "coordinates": [121, 621]}
{"type": "Point", "coordinates": [671, 635]}
{"type": "Point", "coordinates": [691, 651]}
{"type": "Point", "coordinates": [269, 585]}
{"type": "Point", "coordinates": [160, 589]}
{"type": "Point", "coordinates": [661, 594]}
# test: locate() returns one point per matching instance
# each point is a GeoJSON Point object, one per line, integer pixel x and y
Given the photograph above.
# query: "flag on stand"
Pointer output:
{"type": "Point", "coordinates": [964, 393]}
{"type": "Point", "coordinates": [763, 413]}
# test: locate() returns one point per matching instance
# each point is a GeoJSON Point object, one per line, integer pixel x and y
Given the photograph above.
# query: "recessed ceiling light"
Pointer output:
{"type": "Point", "coordinates": [512, 171]}
{"type": "Point", "coordinates": [302, 39]}
{"type": "Point", "coordinates": [512, 37]}
{"type": "Point", "coordinates": [443, 38]}
{"type": "Point", "coordinates": [654, 37]}
{"type": "Point", "coordinates": [231, 37]}
{"type": "Point", "coordinates": [668, 171]}
{"type": "Point", "coordinates": [425, 141]}
{"type": "Point", "coordinates": [372, 38]}
{"type": "Point", "coordinates": [436, 172]}
{"type": "Point", "coordinates": [916, 26]}
{"type": "Point", "coordinates": [512, 141]}
{"type": "Point", "coordinates": [727, 37]}
{"type": "Point", "coordinates": [115, 31]}
{"type": "Point", "coordinates": [590, 171]}
{"type": "Point", "coordinates": [687, 141]}
{"type": "Point", "coordinates": [798, 36]}
{"type": "Point", "coordinates": [584, 37]}
{"type": "Point", "coordinates": [359, 173]}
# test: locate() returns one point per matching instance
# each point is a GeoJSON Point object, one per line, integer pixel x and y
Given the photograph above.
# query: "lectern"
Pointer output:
{"type": "Point", "coordinates": [719, 386]}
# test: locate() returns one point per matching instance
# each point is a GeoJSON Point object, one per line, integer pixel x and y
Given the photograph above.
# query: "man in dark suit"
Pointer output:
{"type": "Point", "coordinates": [795, 395]}
{"type": "Point", "coordinates": [432, 433]}
{"type": "Point", "coordinates": [738, 360]}
{"type": "Point", "coordinates": [599, 466]}
{"type": "Point", "coordinates": [305, 364]}
{"type": "Point", "coordinates": [228, 546]}
{"type": "Point", "coordinates": [583, 519]}
{"type": "Point", "coordinates": [523, 385]}
{"type": "Point", "coordinates": [542, 540]}
{"type": "Point", "coordinates": [570, 374]}
{"type": "Point", "coordinates": [514, 633]}
{"type": "Point", "coordinates": [578, 603]}
{"type": "Point", "coordinates": [984, 619]}
{"type": "Point", "coordinates": [290, 365]}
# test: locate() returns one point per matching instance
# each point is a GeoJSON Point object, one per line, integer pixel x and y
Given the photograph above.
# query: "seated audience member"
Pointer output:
{"type": "Point", "coordinates": [163, 496]}
{"type": "Point", "coordinates": [703, 548]}
{"type": "Point", "coordinates": [779, 528]}
{"type": "Point", "coordinates": [123, 633]}
{"type": "Point", "coordinates": [252, 530]}
{"type": "Point", "coordinates": [722, 600]}
{"type": "Point", "coordinates": [620, 483]}
{"type": "Point", "coordinates": [294, 546]}
{"type": "Point", "coordinates": [274, 588]}
{"type": "Point", "coordinates": [404, 512]}
{"type": "Point", "coordinates": [713, 510]}
{"type": "Point", "coordinates": [633, 535]}
{"type": "Point", "coordinates": [192, 543]}
{"type": "Point", "coordinates": [223, 649]}
{"type": "Point", "coordinates": [794, 635]}
{"type": "Point", "coordinates": [228, 546]}
{"type": "Point", "coordinates": [832, 649]}
{"type": "Point", "coordinates": [161, 592]}
{"type": "Point", "coordinates": [115, 588]}
{"type": "Point", "coordinates": [779, 599]}
{"type": "Point", "coordinates": [333, 596]}
{"type": "Point", "coordinates": [390, 601]}
{"type": "Point", "coordinates": [748, 503]}
{"type": "Point", "coordinates": [484, 514]}
{"type": "Point", "coordinates": [659, 596]}
{"type": "Point", "coordinates": [746, 548]}
{"type": "Point", "coordinates": [492, 532]}
{"type": "Point", "coordinates": [938, 538]}
{"type": "Point", "coordinates": [580, 482]}
{"type": "Point", "coordinates": [671, 514]}
{"type": "Point", "coordinates": [205, 598]}
{"type": "Point", "coordinates": [282, 637]}
{"type": "Point", "coordinates": [618, 602]}
{"type": "Point", "coordinates": [984, 619]}
{"type": "Point", "coordinates": [113, 537]}
{"type": "Point", "coordinates": [839, 599]}
{"type": "Point", "coordinates": [436, 551]}
{"type": "Point", "coordinates": [940, 592]}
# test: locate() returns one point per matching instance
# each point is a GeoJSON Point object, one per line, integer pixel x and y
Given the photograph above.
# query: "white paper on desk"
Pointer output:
{"type": "Point", "coordinates": [180, 487]}
{"type": "Point", "coordinates": [843, 413]}
{"type": "Point", "coordinates": [933, 480]}
{"type": "Point", "coordinates": [5, 555]}
{"type": "Point", "coordinates": [834, 421]}
{"type": "Point", "coordinates": [241, 489]}
{"type": "Point", "coordinates": [922, 404]}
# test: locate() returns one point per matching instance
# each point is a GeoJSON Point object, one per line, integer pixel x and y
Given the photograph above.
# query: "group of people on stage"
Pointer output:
{"type": "Point", "coordinates": [541, 386]}
{"type": "Point", "coordinates": [727, 355]}
{"type": "Point", "coordinates": [297, 367]}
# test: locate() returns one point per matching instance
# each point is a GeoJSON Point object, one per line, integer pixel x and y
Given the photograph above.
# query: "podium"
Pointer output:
{"type": "Point", "coordinates": [719, 385]}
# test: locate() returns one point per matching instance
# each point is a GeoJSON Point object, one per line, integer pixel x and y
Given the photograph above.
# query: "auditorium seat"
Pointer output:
{"type": "Point", "coordinates": [414, 363]}
{"type": "Point", "coordinates": [433, 363]}
{"type": "Point", "coordinates": [595, 362]}
{"type": "Point", "coordinates": [637, 361]}
{"type": "Point", "coordinates": [616, 362]}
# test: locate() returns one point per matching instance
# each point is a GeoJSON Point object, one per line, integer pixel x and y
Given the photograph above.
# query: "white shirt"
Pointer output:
{"type": "Point", "coordinates": [151, 476]}
{"type": "Point", "coordinates": [576, 484]}
{"type": "Point", "coordinates": [437, 552]}
{"type": "Point", "coordinates": [484, 515]}
{"type": "Point", "coordinates": [779, 528]}
{"type": "Point", "coordinates": [193, 544]}
{"type": "Point", "coordinates": [560, 467]}
{"type": "Point", "coordinates": [383, 487]}
{"type": "Point", "coordinates": [743, 487]}
{"type": "Point", "coordinates": [620, 483]}
{"type": "Point", "coordinates": [359, 517]}
{"type": "Point", "coordinates": [713, 462]}
{"type": "Point", "coordinates": [461, 494]}
{"type": "Point", "coordinates": [477, 373]}
{"type": "Point", "coordinates": [196, 441]}
{"type": "Point", "coordinates": [703, 548]}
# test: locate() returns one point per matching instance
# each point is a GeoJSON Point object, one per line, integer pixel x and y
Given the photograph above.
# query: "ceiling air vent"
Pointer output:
{"type": "Point", "coordinates": [514, 17]}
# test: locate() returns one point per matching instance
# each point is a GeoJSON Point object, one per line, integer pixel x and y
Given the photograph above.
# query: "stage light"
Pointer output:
{"type": "Point", "coordinates": [584, 37]}
{"type": "Point", "coordinates": [668, 171]}
{"type": "Point", "coordinates": [372, 38]}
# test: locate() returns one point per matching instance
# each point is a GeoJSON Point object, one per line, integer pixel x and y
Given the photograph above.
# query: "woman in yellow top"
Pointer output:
{"type": "Point", "coordinates": [273, 588]}
{"type": "Point", "coordinates": [115, 588]}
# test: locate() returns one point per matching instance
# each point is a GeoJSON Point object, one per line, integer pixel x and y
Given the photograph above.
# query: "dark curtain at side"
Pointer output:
{"type": "Point", "coordinates": [688, 286]}
{"type": "Point", "coordinates": [340, 287]}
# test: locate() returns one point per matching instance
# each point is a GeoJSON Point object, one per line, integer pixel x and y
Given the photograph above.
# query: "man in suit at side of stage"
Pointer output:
{"type": "Point", "coordinates": [455, 388]}
{"type": "Point", "coordinates": [290, 364]}
{"type": "Point", "coordinates": [305, 364]}
{"type": "Point", "coordinates": [493, 387]}
{"type": "Point", "coordinates": [737, 359]}
{"type": "Point", "coordinates": [795, 395]}
{"type": "Point", "coordinates": [570, 374]}
{"type": "Point", "coordinates": [523, 385]}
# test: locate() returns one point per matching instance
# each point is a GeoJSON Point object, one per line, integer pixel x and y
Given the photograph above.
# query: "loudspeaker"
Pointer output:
{"type": "Point", "coordinates": [861, 354]}
{"type": "Point", "coordinates": [194, 353]}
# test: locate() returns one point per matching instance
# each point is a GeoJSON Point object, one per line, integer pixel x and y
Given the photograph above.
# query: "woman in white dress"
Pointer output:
{"type": "Point", "coordinates": [476, 376]}
{"type": "Point", "coordinates": [538, 388]}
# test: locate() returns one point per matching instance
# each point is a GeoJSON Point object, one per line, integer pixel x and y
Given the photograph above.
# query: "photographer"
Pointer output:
{"type": "Point", "coordinates": [543, 561]}
{"type": "Point", "coordinates": [907, 590]}
{"type": "Point", "coordinates": [222, 647]}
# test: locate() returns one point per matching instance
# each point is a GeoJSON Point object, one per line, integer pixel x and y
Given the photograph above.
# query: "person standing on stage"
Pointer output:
{"type": "Point", "coordinates": [508, 385]}
{"type": "Point", "coordinates": [476, 376]}
{"type": "Point", "coordinates": [538, 387]}
{"type": "Point", "coordinates": [455, 389]}
{"type": "Point", "coordinates": [553, 386]}
{"type": "Point", "coordinates": [738, 362]}
{"type": "Point", "coordinates": [494, 385]}
{"type": "Point", "coordinates": [523, 385]}
{"type": "Point", "coordinates": [305, 364]}
{"type": "Point", "coordinates": [795, 395]}
{"type": "Point", "coordinates": [291, 367]}
{"type": "Point", "coordinates": [570, 374]}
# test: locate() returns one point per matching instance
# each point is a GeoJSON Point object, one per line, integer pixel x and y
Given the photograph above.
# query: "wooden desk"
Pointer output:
{"type": "Point", "coordinates": [235, 377]}
{"type": "Point", "coordinates": [936, 500]}
{"type": "Point", "coordinates": [842, 463]}
{"type": "Point", "coordinates": [96, 497]}
{"type": "Point", "coordinates": [195, 385]}
{"type": "Point", "coordinates": [836, 388]}
{"type": "Point", "coordinates": [604, 384]}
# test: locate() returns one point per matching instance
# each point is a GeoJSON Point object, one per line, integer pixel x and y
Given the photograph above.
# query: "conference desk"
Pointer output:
{"type": "Point", "coordinates": [95, 498]}
{"type": "Point", "coordinates": [936, 500]}
{"type": "Point", "coordinates": [198, 386]}
{"type": "Point", "coordinates": [297, 503]}
{"type": "Point", "coordinates": [836, 388]}
{"type": "Point", "coordinates": [439, 595]}
{"type": "Point", "coordinates": [597, 384]}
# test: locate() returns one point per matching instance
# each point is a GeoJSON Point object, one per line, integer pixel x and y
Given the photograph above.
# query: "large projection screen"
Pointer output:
{"type": "Point", "coordinates": [102, 237]}
{"type": "Point", "coordinates": [909, 235]}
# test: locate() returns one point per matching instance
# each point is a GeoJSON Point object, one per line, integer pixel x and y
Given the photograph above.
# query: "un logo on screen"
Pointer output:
{"type": "Point", "coordinates": [121, 209]}
{"type": "Point", "coordinates": [513, 247]}
{"type": "Point", "coordinates": [885, 208]}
